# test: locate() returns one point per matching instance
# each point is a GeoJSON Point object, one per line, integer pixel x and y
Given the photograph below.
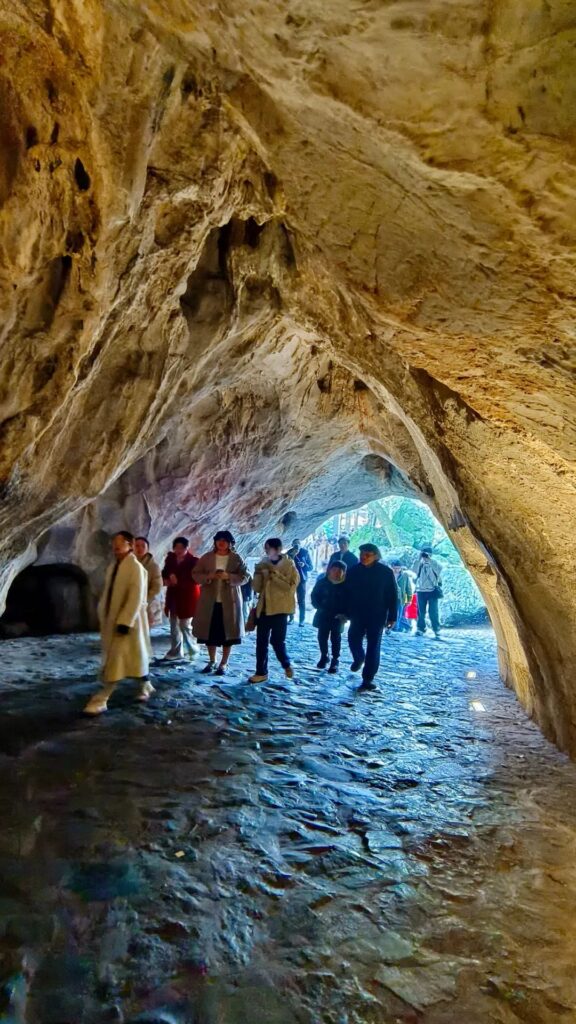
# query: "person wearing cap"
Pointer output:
{"type": "Point", "coordinates": [344, 554]}
{"type": "Point", "coordinates": [405, 594]}
{"type": "Point", "coordinates": [328, 597]}
{"type": "Point", "coordinates": [371, 603]}
{"type": "Point", "coordinates": [429, 591]}
{"type": "Point", "coordinates": [218, 621]}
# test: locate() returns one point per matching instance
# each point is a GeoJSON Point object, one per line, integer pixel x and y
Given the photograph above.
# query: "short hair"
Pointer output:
{"type": "Point", "coordinates": [371, 548]}
{"type": "Point", "coordinates": [337, 564]}
{"type": "Point", "coordinates": [145, 539]}
{"type": "Point", "coordinates": [126, 534]}
{"type": "Point", "coordinates": [345, 538]}
{"type": "Point", "coordinates": [396, 563]}
{"type": "Point", "coordinates": [224, 535]}
{"type": "Point", "coordinates": [426, 550]}
{"type": "Point", "coordinates": [273, 542]}
{"type": "Point", "coordinates": [296, 540]}
{"type": "Point", "coordinates": [181, 540]}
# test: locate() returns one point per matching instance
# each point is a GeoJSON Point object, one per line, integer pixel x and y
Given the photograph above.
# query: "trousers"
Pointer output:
{"type": "Point", "coordinates": [181, 636]}
{"type": "Point", "coordinates": [330, 631]}
{"type": "Point", "coordinates": [402, 623]}
{"type": "Point", "coordinates": [271, 631]}
{"type": "Point", "coordinates": [359, 630]}
{"type": "Point", "coordinates": [427, 600]}
{"type": "Point", "coordinates": [301, 598]}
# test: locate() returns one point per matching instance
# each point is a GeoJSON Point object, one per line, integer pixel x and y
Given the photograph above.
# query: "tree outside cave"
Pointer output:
{"type": "Point", "coordinates": [401, 527]}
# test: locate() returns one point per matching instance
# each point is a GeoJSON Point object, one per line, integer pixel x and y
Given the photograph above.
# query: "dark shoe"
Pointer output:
{"type": "Point", "coordinates": [208, 669]}
{"type": "Point", "coordinates": [333, 667]}
{"type": "Point", "coordinates": [323, 662]}
{"type": "Point", "coordinates": [301, 624]}
{"type": "Point", "coordinates": [367, 684]}
{"type": "Point", "coordinates": [356, 665]}
{"type": "Point", "coordinates": [220, 671]}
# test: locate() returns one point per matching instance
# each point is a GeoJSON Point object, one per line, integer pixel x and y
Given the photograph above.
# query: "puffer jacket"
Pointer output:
{"type": "Point", "coordinates": [329, 600]}
{"type": "Point", "coordinates": [276, 585]}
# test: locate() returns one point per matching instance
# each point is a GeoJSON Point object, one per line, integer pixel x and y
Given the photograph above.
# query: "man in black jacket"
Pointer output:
{"type": "Point", "coordinates": [371, 602]}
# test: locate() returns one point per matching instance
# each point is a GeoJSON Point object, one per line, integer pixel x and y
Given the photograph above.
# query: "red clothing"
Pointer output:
{"type": "Point", "coordinates": [181, 599]}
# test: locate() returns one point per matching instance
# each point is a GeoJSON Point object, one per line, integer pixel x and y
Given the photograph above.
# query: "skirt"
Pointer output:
{"type": "Point", "coordinates": [217, 635]}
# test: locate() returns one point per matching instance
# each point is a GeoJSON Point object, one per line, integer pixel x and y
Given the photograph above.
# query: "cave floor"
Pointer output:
{"type": "Point", "coordinates": [288, 853]}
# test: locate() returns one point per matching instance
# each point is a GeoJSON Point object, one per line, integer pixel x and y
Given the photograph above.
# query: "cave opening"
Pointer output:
{"type": "Point", "coordinates": [48, 599]}
{"type": "Point", "coordinates": [401, 526]}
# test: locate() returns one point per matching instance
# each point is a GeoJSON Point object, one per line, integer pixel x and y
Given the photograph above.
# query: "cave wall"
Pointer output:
{"type": "Point", "coordinates": [245, 247]}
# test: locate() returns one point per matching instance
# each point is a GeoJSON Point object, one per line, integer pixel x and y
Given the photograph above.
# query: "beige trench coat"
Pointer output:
{"type": "Point", "coordinates": [155, 585]}
{"type": "Point", "coordinates": [125, 656]}
{"type": "Point", "coordinates": [231, 596]}
{"type": "Point", "coordinates": [276, 586]}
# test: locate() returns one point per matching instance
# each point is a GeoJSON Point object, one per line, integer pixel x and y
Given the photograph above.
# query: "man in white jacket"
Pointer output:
{"type": "Point", "coordinates": [123, 625]}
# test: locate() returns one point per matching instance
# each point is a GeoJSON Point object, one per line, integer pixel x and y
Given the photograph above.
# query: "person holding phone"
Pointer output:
{"type": "Point", "coordinates": [218, 621]}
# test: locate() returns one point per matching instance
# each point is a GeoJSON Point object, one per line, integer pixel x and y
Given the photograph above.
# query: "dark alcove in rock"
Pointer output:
{"type": "Point", "coordinates": [47, 599]}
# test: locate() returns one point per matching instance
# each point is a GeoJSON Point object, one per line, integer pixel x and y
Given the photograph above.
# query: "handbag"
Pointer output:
{"type": "Point", "coordinates": [438, 592]}
{"type": "Point", "coordinates": [250, 624]}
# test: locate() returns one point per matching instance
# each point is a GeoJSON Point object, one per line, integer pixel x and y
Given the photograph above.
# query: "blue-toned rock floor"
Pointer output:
{"type": "Point", "coordinates": [295, 852]}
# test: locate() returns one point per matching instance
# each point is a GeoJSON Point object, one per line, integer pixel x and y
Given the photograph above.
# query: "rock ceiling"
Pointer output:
{"type": "Point", "coordinates": [260, 260]}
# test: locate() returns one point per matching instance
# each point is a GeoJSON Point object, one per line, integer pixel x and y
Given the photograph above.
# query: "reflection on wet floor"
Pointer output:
{"type": "Point", "coordinates": [288, 853]}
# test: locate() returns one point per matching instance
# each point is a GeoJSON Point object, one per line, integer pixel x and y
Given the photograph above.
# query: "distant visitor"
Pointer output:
{"type": "Point", "coordinates": [429, 591]}
{"type": "Point", "coordinates": [343, 554]}
{"type": "Point", "coordinates": [301, 558]}
{"type": "Point", "coordinates": [155, 582]}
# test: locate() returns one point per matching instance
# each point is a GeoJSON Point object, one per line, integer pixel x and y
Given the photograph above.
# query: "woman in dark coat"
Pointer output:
{"type": "Point", "coordinates": [219, 621]}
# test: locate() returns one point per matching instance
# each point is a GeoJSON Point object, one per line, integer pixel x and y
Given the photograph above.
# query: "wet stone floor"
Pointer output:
{"type": "Point", "coordinates": [296, 852]}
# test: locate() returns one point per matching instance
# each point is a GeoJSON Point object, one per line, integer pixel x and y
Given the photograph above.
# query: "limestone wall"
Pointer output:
{"type": "Point", "coordinates": [246, 246]}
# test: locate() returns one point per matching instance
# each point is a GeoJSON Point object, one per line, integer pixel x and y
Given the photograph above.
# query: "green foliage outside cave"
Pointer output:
{"type": "Point", "coordinates": [401, 527]}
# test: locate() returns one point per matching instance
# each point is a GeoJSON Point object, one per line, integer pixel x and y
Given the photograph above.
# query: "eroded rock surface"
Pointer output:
{"type": "Point", "coordinates": [233, 854]}
{"type": "Point", "coordinates": [245, 247]}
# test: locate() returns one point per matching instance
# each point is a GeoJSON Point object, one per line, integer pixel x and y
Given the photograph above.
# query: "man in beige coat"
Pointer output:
{"type": "Point", "coordinates": [123, 625]}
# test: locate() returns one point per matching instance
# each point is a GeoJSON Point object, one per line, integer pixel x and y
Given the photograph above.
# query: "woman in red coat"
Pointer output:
{"type": "Point", "coordinates": [182, 595]}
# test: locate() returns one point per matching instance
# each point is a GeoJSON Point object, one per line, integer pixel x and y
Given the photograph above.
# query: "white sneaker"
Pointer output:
{"type": "Point", "coordinates": [146, 691]}
{"type": "Point", "coordinates": [258, 679]}
{"type": "Point", "coordinates": [97, 705]}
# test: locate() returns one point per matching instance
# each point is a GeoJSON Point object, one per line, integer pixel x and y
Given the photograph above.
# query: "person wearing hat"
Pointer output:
{"type": "Point", "coordinates": [429, 591]}
{"type": "Point", "coordinates": [329, 599]}
{"type": "Point", "coordinates": [218, 620]}
{"type": "Point", "coordinates": [371, 602]}
{"type": "Point", "coordinates": [343, 554]}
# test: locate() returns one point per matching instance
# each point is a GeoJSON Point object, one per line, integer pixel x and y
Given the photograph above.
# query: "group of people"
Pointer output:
{"type": "Point", "coordinates": [206, 603]}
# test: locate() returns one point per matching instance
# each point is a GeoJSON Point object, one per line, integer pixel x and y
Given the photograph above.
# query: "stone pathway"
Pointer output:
{"type": "Point", "coordinates": [292, 853]}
